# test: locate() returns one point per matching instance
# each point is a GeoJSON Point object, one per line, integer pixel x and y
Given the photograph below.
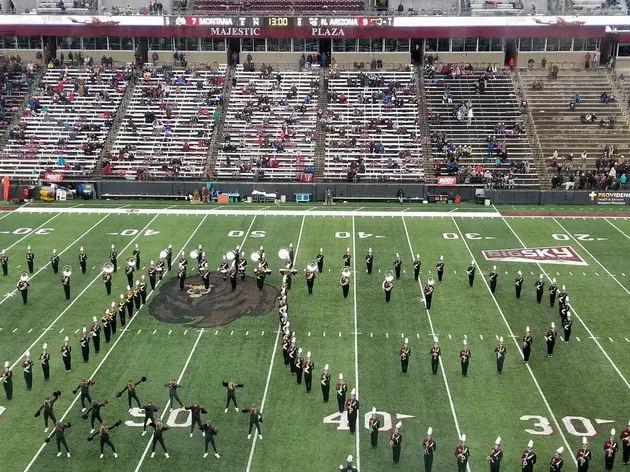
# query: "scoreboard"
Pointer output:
{"type": "Point", "coordinates": [281, 21]}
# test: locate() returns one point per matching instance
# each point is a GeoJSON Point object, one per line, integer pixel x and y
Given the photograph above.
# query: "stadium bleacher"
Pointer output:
{"type": "Point", "coordinates": [16, 79]}
{"type": "Point", "coordinates": [496, 116]}
{"type": "Point", "coordinates": [372, 130]}
{"type": "Point", "coordinates": [70, 7]}
{"type": "Point", "coordinates": [269, 128]}
{"type": "Point", "coordinates": [168, 124]}
{"type": "Point", "coordinates": [65, 123]}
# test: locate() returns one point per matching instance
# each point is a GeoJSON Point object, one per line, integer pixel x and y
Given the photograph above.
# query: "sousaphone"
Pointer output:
{"type": "Point", "coordinates": [430, 280]}
{"type": "Point", "coordinates": [311, 266]}
{"type": "Point", "coordinates": [108, 268]}
{"type": "Point", "coordinates": [284, 253]}
{"type": "Point", "coordinates": [389, 276]}
{"type": "Point", "coordinates": [24, 276]}
{"type": "Point", "coordinates": [67, 271]}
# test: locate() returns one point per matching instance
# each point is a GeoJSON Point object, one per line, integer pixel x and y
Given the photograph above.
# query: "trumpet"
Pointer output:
{"type": "Point", "coordinates": [194, 254]}
{"type": "Point", "coordinates": [163, 254]}
{"type": "Point", "coordinates": [67, 271]}
{"type": "Point", "coordinates": [430, 280]}
{"type": "Point", "coordinates": [311, 266]}
{"type": "Point", "coordinates": [108, 268]}
{"type": "Point", "coordinates": [283, 253]}
{"type": "Point", "coordinates": [131, 261]}
{"type": "Point", "coordinates": [24, 276]}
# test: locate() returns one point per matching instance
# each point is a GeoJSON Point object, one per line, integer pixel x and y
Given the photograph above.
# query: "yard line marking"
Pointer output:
{"type": "Point", "coordinates": [615, 226]}
{"type": "Point", "coordinates": [576, 315]}
{"type": "Point", "coordinates": [29, 331]}
{"type": "Point", "coordinates": [517, 343]}
{"type": "Point", "coordinates": [448, 390]}
{"type": "Point", "coordinates": [273, 354]}
{"type": "Point", "coordinates": [30, 233]}
{"type": "Point", "coordinates": [356, 338]}
{"type": "Point", "coordinates": [246, 333]}
{"type": "Point", "coordinates": [170, 331]}
{"type": "Point", "coordinates": [47, 263]}
{"type": "Point", "coordinates": [593, 257]}
{"type": "Point", "coordinates": [166, 407]}
{"type": "Point", "coordinates": [98, 277]}
{"type": "Point", "coordinates": [154, 331]}
{"type": "Point", "coordinates": [578, 339]}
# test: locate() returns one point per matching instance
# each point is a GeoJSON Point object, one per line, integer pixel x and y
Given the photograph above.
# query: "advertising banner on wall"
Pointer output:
{"type": "Point", "coordinates": [447, 181]}
{"type": "Point", "coordinates": [610, 198]}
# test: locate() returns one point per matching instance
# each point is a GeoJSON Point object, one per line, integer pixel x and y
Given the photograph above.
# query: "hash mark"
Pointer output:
{"type": "Point", "coordinates": [418, 335]}
{"type": "Point", "coordinates": [324, 334]}
{"type": "Point", "coordinates": [76, 331]}
{"type": "Point", "coordinates": [14, 330]}
{"type": "Point", "coordinates": [558, 273]}
{"type": "Point", "coordinates": [155, 331]}
{"type": "Point", "coordinates": [597, 274]}
{"type": "Point", "coordinates": [531, 272]}
{"type": "Point", "coordinates": [231, 333]}
{"type": "Point", "coordinates": [139, 331]}
{"type": "Point", "coordinates": [371, 335]}
{"type": "Point", "coordinates": [578, 339]}
{"type": "Point", "coordinates": [583, 273]}
{"type": "Point", "coordinates": [628, 341]}
{"type": "Point", "coordinates": [623, 274]}
{"type": "Point", "coordinates": [246, 333]}
{"type": "Point", "coordinates": [59, 331]}
{"type": "Point", "coordinates": [611, 340]}
{"type": "Point", "coordinates": [339, 333]}
{"type": "Point", "coordinates": [262, 334]}
{"type": "Point", "coordinates": [387, 335]}
{"type": "Point", "coordinates": [170, 331]}
{"type": "Point", "coordinates": [402, 335]}
{"type": "Point", "coordinates": [497, 336]}
{"type": "Point", "coordinates": [30, 330]}
{"type": "Point", "coordinates": [454, 272]}
{"type": "Point", "coordinates": [481, 337]}
{"type": "Point", "coordinates": [449, 337]}
{"type": "Point", "coordinates": [93, 267]}
{"type": "Point", "coordinates": [309, 333]}
{"type": "Point", "coordinates": [570, 273]}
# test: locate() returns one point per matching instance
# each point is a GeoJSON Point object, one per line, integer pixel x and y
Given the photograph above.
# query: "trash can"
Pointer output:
{"type": "Point", "coordinates": [283, 198]}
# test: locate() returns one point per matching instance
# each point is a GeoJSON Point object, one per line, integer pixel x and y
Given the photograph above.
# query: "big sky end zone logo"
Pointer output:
{"type": "Point", "coordinates": [198, 307]}
{"type": "Point", "coordinates": [564, 255]}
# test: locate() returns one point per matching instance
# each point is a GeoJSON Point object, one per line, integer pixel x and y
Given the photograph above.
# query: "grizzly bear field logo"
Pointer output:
{"type": "Point", "coordinates": [198, 307]}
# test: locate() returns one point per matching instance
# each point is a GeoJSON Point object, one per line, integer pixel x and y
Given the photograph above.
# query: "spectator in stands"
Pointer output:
{"type": "Point", "coordinates": [587, 60]}
{"type": "Point", "coordinates": [512, 63]}
{"type": "Point", "coordinates": [470, 116]}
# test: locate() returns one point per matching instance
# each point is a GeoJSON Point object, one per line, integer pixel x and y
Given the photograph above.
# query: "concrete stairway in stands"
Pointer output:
{"type": "Point", "coordinates": [320, 134]}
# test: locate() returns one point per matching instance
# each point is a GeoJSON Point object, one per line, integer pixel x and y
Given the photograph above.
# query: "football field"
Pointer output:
{"type": "Point", "coordinates": [203, 339]}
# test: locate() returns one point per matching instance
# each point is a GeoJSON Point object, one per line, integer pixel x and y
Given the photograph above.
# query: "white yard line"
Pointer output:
{"type": "Point", "coordinates": [592, 256]}
{"type": "Point", "coordinates": [59, 254]}
{"type": "Point", "coordinates": [433, 334]}
{"type": "Point", "coordinates": [43, 225]}
{"type": "Point", "coordinates": [135, 317]}
{"type": "Point", "coordinates": [356, 338]}
{"type": "Point", "coordinates": [518, 347]}
{"type": "Point", "coordinates": [273, 356]}
{"type": "Point", "coordinates": [575, 313]}
{"type": "Point", "coordinates": [616, 227]}
{"type": "Point", "coordinates": [30, 348]}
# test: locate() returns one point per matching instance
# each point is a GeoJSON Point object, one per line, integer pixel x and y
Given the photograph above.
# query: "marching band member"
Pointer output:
{"type": "Point", "coordinates": [352, 409]}
{"type": "Point", "coordinates": [209, 432]}
{"type": "Point", "coordinates": [65, 283]}
{"type": "Point", "coordinates": [461, 454]}
{"type": "Point", "coordinates": [182, 259]}
{"type": "Point", "coordinates": [4, 261]}
{"type": "Point", "coordinates": [310, 280]}
{"type": "Point", "coordinates": [440, 268]}
{"type": "Point", "coordinates": [417, 263]}
{"type": "Point", "coordinates": [129, 272]}
{"type": "Point", "coordinates": [428, 447]}
{"type": "Point", "coordinates": [172, 393]}
{"type": "Point", "coordinates": [397, 266]}
{"type": "Point", "coordinates": [324, 379]}
{"type": "Point", "coordinates": [158, 437]}
{"type": "Point", "coordinates": [435, 352]}
{"type": "Point", "coordinates": [308, 367]}
{"type": "Point", "coordinates": [260, 274]}
{"type": "Point", "coordinates": [223, 268]}
{"type": "Point", "coordinates": [95, 413]}
{"type": "Point", "coordinates": [113, 258]}
{"type": "Point", "coordinates": [143, 290]}
{"type": "Point", "coordinates": [286, 342]}
{"type": "Point", "coordinates": [373, 425]}
{"type": "Point", "coordinates": [540, 288]}
{"type": "Point", "coordinates": [553, 291]}
{"type": "Point", "coordinates": [428, 294]}
{"type": "Point", "coordinates": [231, 393]}
{"type": "Point", "coordinates": [345, 285]}
{"type": "Point", "coordinates": [84, 386]}
{"type": "Point", "coordinates": [106, 328]}
{"type": "Point", "coordinates": [562, 299]}
{"type": "Point", "coordinates": [129, 301]}
{"type": "Point", "coordinates": [30, 258]}
{"type": "Point", "coordinates": [137, 300]}
{"type": "Point", "coordinates": [149, 415]}
{"type": "Point", "coordinates": [255, 418]}
{"type": "Point", "coordinates": [464, 357]}
{"type": "Point", "coordinates": [564, 309]}
{"type": "Point", "coordinates": [47, 406]}
{"type": "Point", "coordinates": [395, 442]}
{"type": "Point", "coordinates": [494, 275]}
{"type": "Point", "coordinates": [233, 275]}
{"type": "Point", "coordinates": [387, 286]}
{"type": "Point", "coordinates": [181, 275]}
{"type": "Point", "coordinates": [196, 410]}
{"type": "Point", "coordinates": [59, 433]}
{"type": "Point", "coordinates": [160, 270]}
{"type": "Point", "coordinates": [200, 255]}
{"type": "Point", "coordinates": [263, 263]}
{"type": "Point", "coordinates": [348, 467]}
{"type": "Point", "coordinates": [136, 254]}
{"type": "Point", "coordinates": [7, 380]}
{"type": "Point", "coordinates": [122, 307]}
{"type": "Point", "coordinates": [342, 389]}
{"type": "Point", "coordinates": [152, 273]}
{"type": "Point", "coordinates": [566, 327]}
{"type": "Point", "coordinates": [291, 255]}
{"type": "Point", "coordinates": [45, 360]}
{"type": "Point", "coordinates": [293, 352]}
{"type": "Point", "coordinates": [112, 316]}
{"type": "Point", "coordinates": [610, 450]}
{"type": "Point", "coordinates": [27, 367]}
{"type": "Point", "coordinates": [404, 354]}
{"type": "Point", "coordinates": [369, 261]}
{"type": "Point", "coordinates": [518, 284]}
{"type": "Point", "coordinates": [527, 345]}
{"type": "Point", "coordinates": [169, 256]}
{"type": "Point", "coordinates": [205, 277]}
{"type": "Point", "coordinates": [556, 461]}
{"type": "Point", "coordinates": [500, 351]}
{"type": "Point", "coordinates": [319, 258]}
{"type": "Point", "coordinates": [54, 261]}
{"type": "Point", "coordinates": [22, 287]}
{"type": "Point", "coordinates": [202, 261]}
{"type": "Point", "coordinates": [624, 437]}
{"type": "Point", "coordinates": [107, 280]}
{"type": "Point", "coordinates": [495, 456]}
{"type": "Point", "coordinates": [132, 392]}
{"type": "Point", "coordinates": [298, 369]}
{"type": "Point", "coordinates": [66, 354]}
{"type": "Point", "coordinates": [82, 260]}
{"type": "Point", "coordinates": [84, 341]}
{"type": "Point", "coordinates": [550, 337]}
{"type": "Point", "coordinates": [105, 433]}
{"type": "Point", "coordinates": [528, 458]}
{"type": "Point", "coordinates": [583, 456]}
{"type": "Point", "coordinates": [347, 257]}
{"type": "Point", "coordinates": [242, 265]}
{"type": "Point", "coordinates": [471, 273]}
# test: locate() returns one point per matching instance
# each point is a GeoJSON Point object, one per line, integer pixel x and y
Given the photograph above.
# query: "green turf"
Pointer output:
{"type": "Point", "coordinates": [585, 378]}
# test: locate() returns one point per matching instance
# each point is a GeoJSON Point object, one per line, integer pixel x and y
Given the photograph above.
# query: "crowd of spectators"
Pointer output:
{"type": "Point", "coordinates": [610, 172]}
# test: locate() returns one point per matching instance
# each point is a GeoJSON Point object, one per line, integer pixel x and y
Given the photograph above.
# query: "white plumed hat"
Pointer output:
{"type": "Point", "coordinates": [113, 247]}
{"type": "Point", "coordinates": [45, 346]}
{"type": "Point", "coordinates": [530, 444]}
{"type": "Point", "coordinates": [66, 339]}
{"type": "Point", "coordinates": [94, 319]}
{"type": "Point", "coordinates": [27, 353]}
{"type": "Point", "coordinates": [527, 329]}
{"type": "Point", "coordinates": [553, 280]}
{"type": "Point", "coordinates": [353, 392]}
{"type": "Point", "coordinates": [584, 440]}
{"type": "Point", "coordinates": [465, 342]}
{"type": "Point", "coordinates": [435, 339]}
{"type": "Point", "coordinates": [441, 258]}
{"type": "Point", "coordinates": [406, 340]}
{"type": "Point", "coordinates": [498, 441]}
{"type": "Point", "coordinates": [340, 376]}
{"type": "Point", "coordinates": [308, 354]}
{"type": "Point", "coordinates": [553, 325]}
{"type": "Point", "coordinates": [347, 249]}
{"type": "Point", "coordinates": [326, 367]}
{"type": "Point", "coordinates": [429, 431]}
{"type": "Point", "coordinates": [300, 351]}
{"type": "Point", "coordinates": [560, 450]}
{"type": "Point", "coordinates": [519, 273]}
{"type": "Point", "coordinates": [6, 364]}
{"type": "Point", "coordinates": [463, 438]}
{"type": "Point", "coordinates": [349, 459]}
{"type": "Point", "coordinates": [398, 425]}
{"type": "Point", "coordinates": [540, 276]}
{"type": "Point", "coordinates": [84, 330]}
{"type": "Point", "coordinates": [613, 432]}
{"type": "Point", "coordinates": [373, 410]}
{"type": "Point", "coordinates": [564, 287]}
{"type": "Point", "coordinates": [501, 339]}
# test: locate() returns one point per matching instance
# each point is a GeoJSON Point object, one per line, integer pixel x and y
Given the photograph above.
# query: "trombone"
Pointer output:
{"type": "Point", "coordinates": [67, 271]}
